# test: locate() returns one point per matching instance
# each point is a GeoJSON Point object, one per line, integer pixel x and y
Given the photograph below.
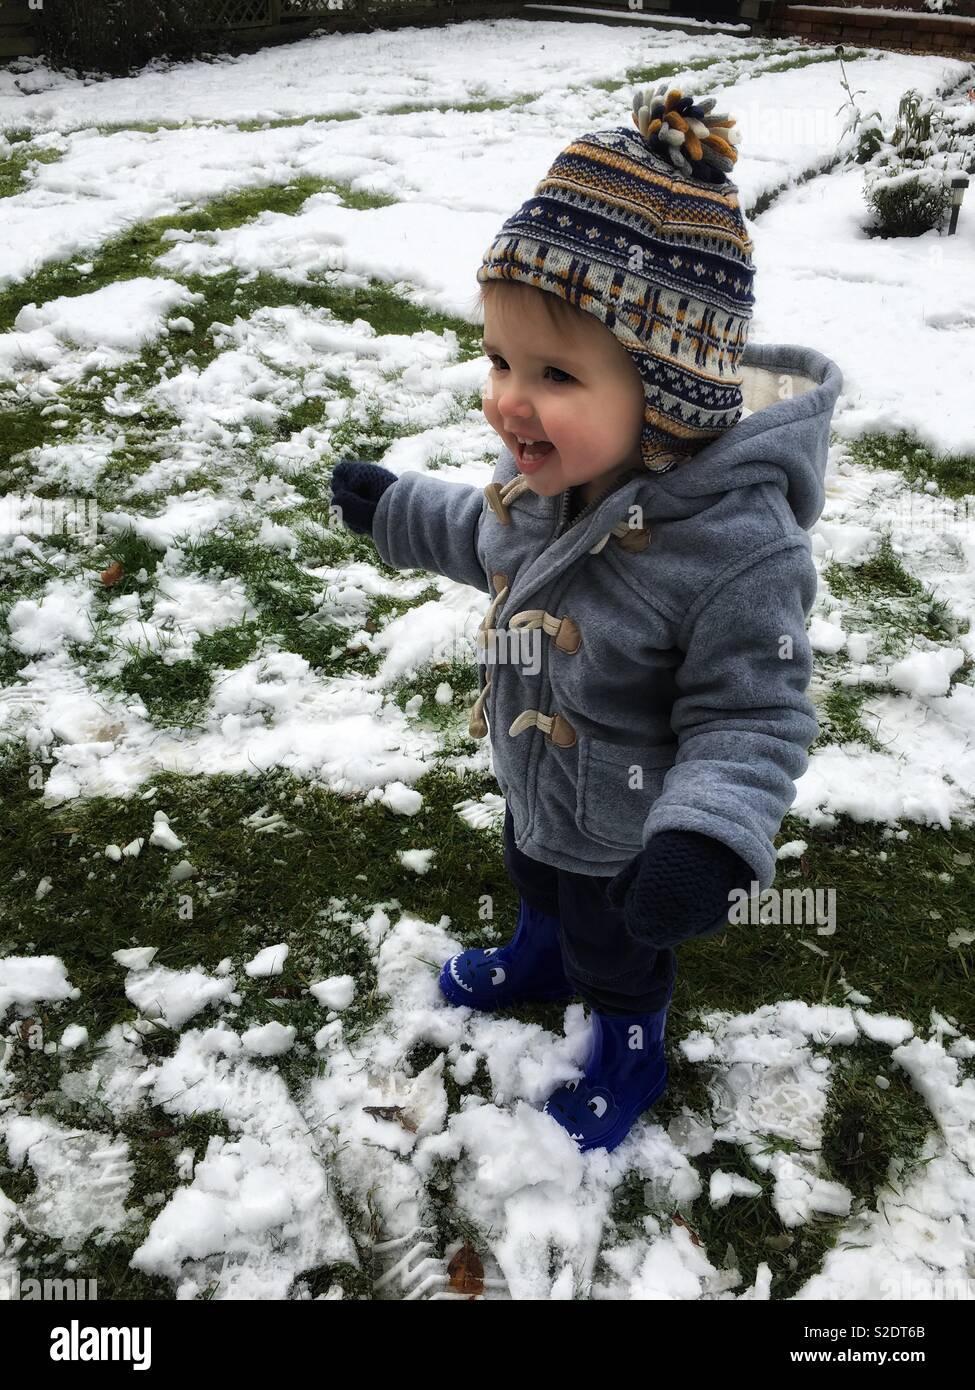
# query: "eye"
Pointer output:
{"type": "Point", "coordinates": [500, 365]}
{"type": "Point", "coordinates": [598, 1106]}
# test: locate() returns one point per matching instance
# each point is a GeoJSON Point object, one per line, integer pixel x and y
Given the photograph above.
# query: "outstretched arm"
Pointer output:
{"type": "Point", "coordinates": [423, 522]}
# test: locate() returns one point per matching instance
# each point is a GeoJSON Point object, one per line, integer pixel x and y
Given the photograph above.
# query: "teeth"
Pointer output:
{"type": "Point", "coordinates": [454, 976]}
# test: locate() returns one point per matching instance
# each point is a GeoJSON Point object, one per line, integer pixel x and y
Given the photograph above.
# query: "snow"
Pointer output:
{"type": "Point", "coordinates": [915, 1244]}
{"type": "Point", "coordinates": [824, 283]}
{"type": "Point", "coordinates": [825, 636]}
{"type": "Point", "coordinates": [44, 625]}
{"type": "Point", "coordinates": [723, 1186]}
{"type": "Point", "coordinates": [127, 314]}
{"type": "Point", "coordinates": [270, 961]}
{"type": "Point", "coordinates": [271, 1040]}
{"type": "Point", "coordinates": [257, 1211]}
{"type": "Point", "coordinates": [337, 992]}
{"type": "Point", "coordinates": [26, 981]}
{"type": "Point", "coordinates": [419, 860]}
{"type": "Point", "coordinates": [83, 1179]}
{"type": "Point", "coordinates": [927, 673]}
{"type": "Point", "coordinates": [136, 957]}
{"type": "Point", "coordinates": [74, 1036]}
{"type": "Point", "coordinates": [792, 849]}
{"type": "Point", "coordinates": [882, 1028]}
{"type": "Point", "coordinates": [165, 838]}
{"type": "Point", "coordinates": [174, 996]}
{"type": "Point", "coordinates": [401, 799]}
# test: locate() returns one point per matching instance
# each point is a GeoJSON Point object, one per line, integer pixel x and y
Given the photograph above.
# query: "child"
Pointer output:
{"type": "Point", "coordinates": [648, 534]}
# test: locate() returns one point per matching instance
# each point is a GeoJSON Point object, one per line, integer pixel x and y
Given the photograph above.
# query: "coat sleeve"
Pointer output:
{"type": "Point", "coordinates": [422, 522]}
{"type": "Point", "coordinates": [743, 719]}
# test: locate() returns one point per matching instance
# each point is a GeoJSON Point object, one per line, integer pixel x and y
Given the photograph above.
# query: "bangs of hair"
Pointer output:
{"type": "Point", "coordinates": [565, 318]}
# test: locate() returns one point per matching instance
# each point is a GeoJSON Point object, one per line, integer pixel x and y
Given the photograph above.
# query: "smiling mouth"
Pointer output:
{"type": "Point", "coordinates": [529, 451]}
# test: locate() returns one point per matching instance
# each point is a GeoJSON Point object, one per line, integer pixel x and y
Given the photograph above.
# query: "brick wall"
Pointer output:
{"type": "Point", "coordinates": [964, 8]}
{"type": "Point", "coordinates": [903, 32]}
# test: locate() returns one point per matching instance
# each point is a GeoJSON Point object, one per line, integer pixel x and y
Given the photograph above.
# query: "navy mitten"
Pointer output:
{"type": "Point", "coordinates": [357, 488]}
{"type": "Point", "coordinates": [677, 886]}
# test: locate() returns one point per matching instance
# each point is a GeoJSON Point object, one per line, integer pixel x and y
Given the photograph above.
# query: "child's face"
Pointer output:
{"type": "Point", "coordinates": [583, 393]}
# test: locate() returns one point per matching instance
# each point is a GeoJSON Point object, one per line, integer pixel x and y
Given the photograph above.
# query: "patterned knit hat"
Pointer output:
{"type": "Point", "coordinates": [643, 230]}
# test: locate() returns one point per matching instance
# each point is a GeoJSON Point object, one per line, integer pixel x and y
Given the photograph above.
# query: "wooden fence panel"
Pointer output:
{"type": "Point", "coordinates": [17, 31]}
{"type": "Point", "coordinates": [244, 14]}
{"type": "Point", "coordinates": [312, 9]}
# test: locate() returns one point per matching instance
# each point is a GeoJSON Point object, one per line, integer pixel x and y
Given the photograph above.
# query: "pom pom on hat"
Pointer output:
{"type": "Point", "coordinates": [682, 131]}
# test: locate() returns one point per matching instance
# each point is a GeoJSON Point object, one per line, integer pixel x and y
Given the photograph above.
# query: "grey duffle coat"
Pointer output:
{"type": "Point", "coordinates": [668, 687]}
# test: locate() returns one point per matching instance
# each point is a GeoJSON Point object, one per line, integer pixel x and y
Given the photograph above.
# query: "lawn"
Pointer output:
{"type": "Point", "coordinates": [234, 758]}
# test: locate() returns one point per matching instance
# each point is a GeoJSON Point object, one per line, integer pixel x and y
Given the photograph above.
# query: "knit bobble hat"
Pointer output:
{"type": "Point", "coordinates": [642, 228]}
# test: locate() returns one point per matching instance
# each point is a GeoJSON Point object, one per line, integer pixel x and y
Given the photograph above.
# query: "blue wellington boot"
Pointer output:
{"type": "Point", "coordinates": [529, 967]}
{"type": "Point", "coordinates": [626, 1072]}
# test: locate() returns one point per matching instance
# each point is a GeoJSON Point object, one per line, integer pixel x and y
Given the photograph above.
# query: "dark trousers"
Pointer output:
{"type": "Point", "coordinates": [612, 972]}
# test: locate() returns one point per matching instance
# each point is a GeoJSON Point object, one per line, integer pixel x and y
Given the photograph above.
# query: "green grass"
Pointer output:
{"type": "Point", "coordinates": [237, 907]}
{"type": "Point", "coordinates": [887, 941]}
{"type": "Point", "coordinates": [253, 889]}
{"type": "Point", "coordinates": [884, 596]}
{"type": "Point", "coordinates": [81, 410]}
{"type": "Point", "coordinates": [841, 718]}
{"type": "Point", "coordinates": [647, 75]}
{"type": "Point", "coordinates": [891, 942]}
{"type": "Point", "coordinates": [132, 253]}
{"type": "Point", "coordinates": [461, 676]}
{"type": "Point", "coordinates": [15, 168]}
{"type": "Point", "coordinates": [953, 473]}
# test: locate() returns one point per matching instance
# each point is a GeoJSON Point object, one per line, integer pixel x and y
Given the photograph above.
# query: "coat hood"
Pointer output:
{"type": "Point", "coordinates": [782, 437]}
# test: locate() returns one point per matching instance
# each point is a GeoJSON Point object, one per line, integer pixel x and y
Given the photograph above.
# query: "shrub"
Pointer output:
{"type": "Point", "coordinates": [909, 203]}
{"type": "Point", "coordinates": [907, 179]}
{"type": "Point", "coordinates": [114, 36]}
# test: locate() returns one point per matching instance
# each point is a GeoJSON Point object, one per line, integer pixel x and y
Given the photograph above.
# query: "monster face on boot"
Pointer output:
{"type": "Point", "coordinates": [626, 1072]}
{"type": "Point", "coordinates": [528, 968]}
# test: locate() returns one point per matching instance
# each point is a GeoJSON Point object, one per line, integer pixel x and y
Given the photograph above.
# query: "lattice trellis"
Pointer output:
{"type": "Point", "coordinates": [243, 14]}
{"type": "Point", "coordinates": [258, 14]}
{"type": "Point", "coordinates": [308, 7]}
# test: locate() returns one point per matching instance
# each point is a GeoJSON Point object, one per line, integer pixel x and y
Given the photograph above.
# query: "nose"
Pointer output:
{"type": "Point", "coordinates": [514, 408]}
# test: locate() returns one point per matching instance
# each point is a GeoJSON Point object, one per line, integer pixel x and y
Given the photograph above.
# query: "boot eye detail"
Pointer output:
{"type": "Point", "coordinates": [598, 1106]}
{"type": "Point", "coordinates": [497, 975]}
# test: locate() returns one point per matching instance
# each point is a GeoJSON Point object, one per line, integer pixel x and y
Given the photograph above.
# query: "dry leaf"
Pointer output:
{"type": "Point", "coordinates": [113, 574]}
{"type": "Point", "coordinates": [679, 1221]}
{"type": "Point", "coordinates": [391, 1112]}
{"type": "Point", "coordinates": [466, 1272]}
{"type": "Point", "coordinates": [804, 865]}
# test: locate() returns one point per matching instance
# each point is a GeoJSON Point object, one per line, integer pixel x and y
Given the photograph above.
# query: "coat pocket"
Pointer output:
{"type": "Point", "coordinates": [618, 783]}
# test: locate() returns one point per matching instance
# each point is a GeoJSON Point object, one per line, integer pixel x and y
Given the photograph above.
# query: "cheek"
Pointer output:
{"type": "Point", "coordinates": [490, 407]}
{"type": "Point", "coordinates": [568, 421]}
